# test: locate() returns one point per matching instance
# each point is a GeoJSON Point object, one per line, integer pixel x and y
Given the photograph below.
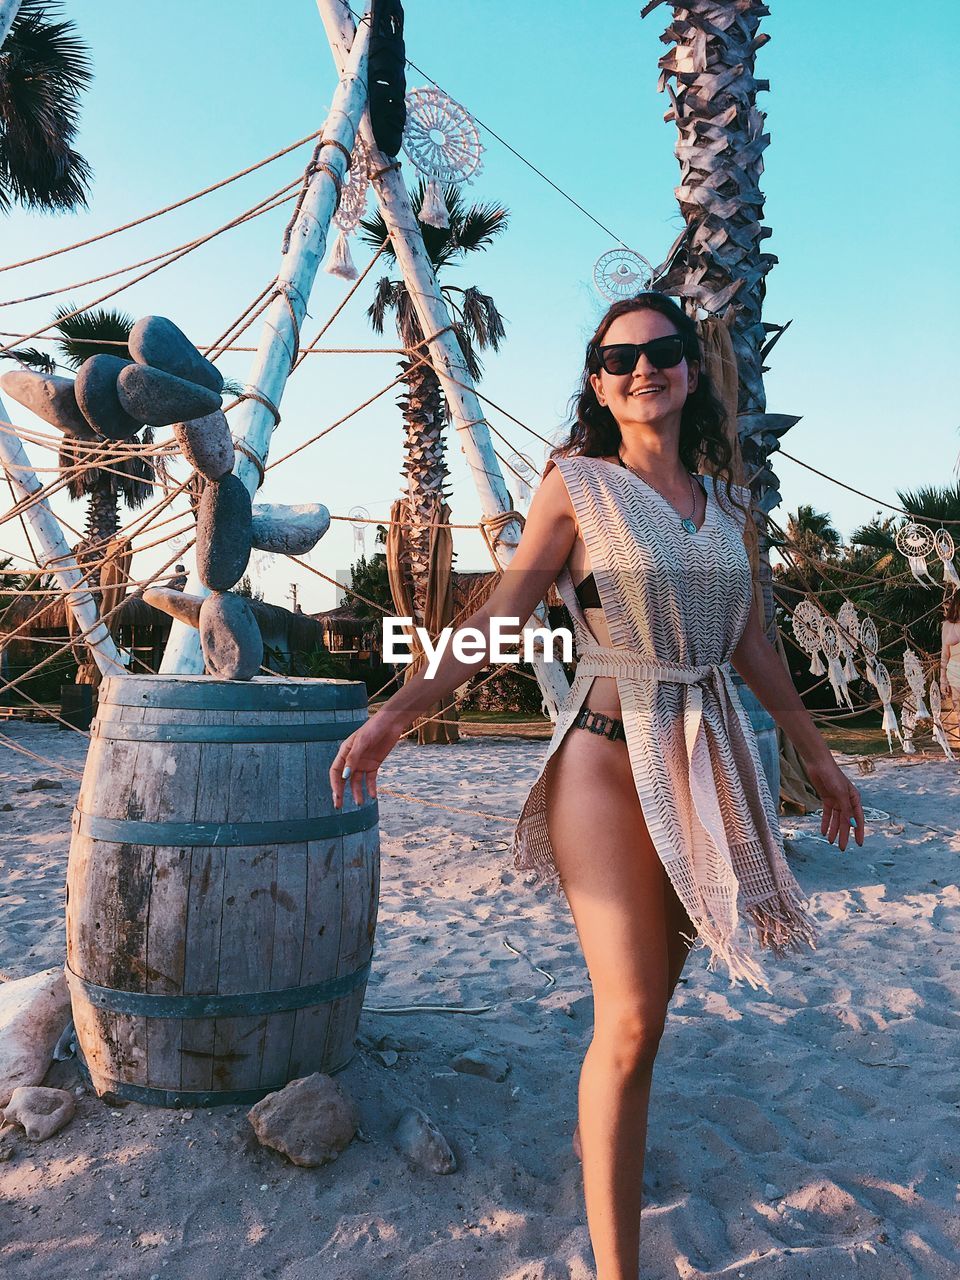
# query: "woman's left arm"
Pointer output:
{"type": "Point", "coordinates": [763, 670]}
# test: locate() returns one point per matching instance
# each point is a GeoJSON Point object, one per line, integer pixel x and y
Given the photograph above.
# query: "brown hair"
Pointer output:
{"type": "Point", "coordinates": [593, 430]}
{"type": "Point", "coordinates": [951, 606]}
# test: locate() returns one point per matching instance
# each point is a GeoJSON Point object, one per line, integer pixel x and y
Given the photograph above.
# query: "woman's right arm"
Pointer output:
{"type": "Point", "coordinates": [548, 536]}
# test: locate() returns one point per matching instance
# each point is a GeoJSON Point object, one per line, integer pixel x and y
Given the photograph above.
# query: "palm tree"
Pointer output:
{"type": "Point", "coordinates": [94, 464]}
{"type": "Point", "coordinates": [477, 325]}
{"type": "Point", "coordinates": [43, 67]}
{"type": "Point", "coordinates": [813, 533]}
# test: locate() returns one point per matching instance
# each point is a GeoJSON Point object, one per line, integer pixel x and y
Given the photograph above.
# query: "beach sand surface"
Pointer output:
{"type": "Point", "coordinates": [811, 1133]}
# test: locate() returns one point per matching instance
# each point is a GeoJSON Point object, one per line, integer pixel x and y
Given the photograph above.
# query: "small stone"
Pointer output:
{"type": "Point", "coordinates": [405, 1044]}
{"type": "Point", "coordinates": [178, 605]}
{"type": "Point", "coordinates": [40, 1112]}
{"type": "Point", "coordinates": [230, 637]}
{"type": "Point", "coordinates": [207, 444]}
{"type": "Point", "coordinates": [289, 530]}
{"type": "Point", "coordinates": [224, 530]}
{"type": "Point", "coordinates": [310, 1120]}
{"type": "Point", "coordinates": [419, 1139]}
{"type": "Point", "coordinates": [46, 784]}
{"type": "Point", "coordinates": [96, 391]}
{"type": "Point", "coordinates": [480, 1062]}
{"type": "Point", "coordinates": [159, 399]}
{"type": "Point", "coordinates": [50, 398]}
{"type": "Point", "coordinates": [6, 808]}
{"type": "Point", "coordinates": [389, 1057]}
{"type": "Point", "coordinates": [772, 1192]}
{"type": "Point", "coordinates": [157, 341]}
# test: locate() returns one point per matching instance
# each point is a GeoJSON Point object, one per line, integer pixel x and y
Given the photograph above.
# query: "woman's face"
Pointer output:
{"type": "Point", "coordinates": [648, 395]}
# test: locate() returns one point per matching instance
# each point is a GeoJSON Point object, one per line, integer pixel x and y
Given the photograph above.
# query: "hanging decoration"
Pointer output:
{"type": "Point", "coordinates": [869, 643]}
{"type": "Point", "coordinates": [443, 142]}
{"type": "Point", "coordinates": [908, 722]}
{"type": "Point", "coordinates": [936, 706]}
{"type": "Point", "coordinates": [913, 670]}
{"type": "Point", "coordinates": [944, 547]}
{"type": "Point", "coordinates": [526, 474]}
{"type": "Point", "coordinates": [386, 75]}
{"type": "Point", "coordinates": [916, 542]}
{"type": "Point", "coordinates": [806, 630]}
{"type": "Point", "coordinates": [881, 680]}
{"type": "Point", "coordinates": [849, 623]}
{"type": "Point", "coordinates": [830, 643]}
{"type": "Point", "coordinates": [353, 202]}
{"type": "Point", "coordinates": [359, 516]}
{"type": "Point", "coordinates": [620, 273]}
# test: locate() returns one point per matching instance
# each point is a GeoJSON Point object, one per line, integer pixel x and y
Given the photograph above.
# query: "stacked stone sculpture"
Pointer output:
{"type": "Point", "coordinates": [169, 383]}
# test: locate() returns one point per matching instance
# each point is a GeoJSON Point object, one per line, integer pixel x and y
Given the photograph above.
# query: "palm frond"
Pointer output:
{"type": "Point", "coordinates": [100, 332]}
{"type": "Point", "coordinates": [32, 358]}
{"type": "Point", "coordinates": [383, 301]}
{"type": "Point", "coordinates": [43, 67]}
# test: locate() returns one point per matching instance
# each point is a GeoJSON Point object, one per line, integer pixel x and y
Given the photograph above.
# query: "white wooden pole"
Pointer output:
{"type": "Point", "coordinates": [277, 350]}
{"type": "Point", "coordinates": [60, 560]}
{"type": "Point", "coordinates": [8, 12]}
{"type": "Point", "coordinates": [445, 353]}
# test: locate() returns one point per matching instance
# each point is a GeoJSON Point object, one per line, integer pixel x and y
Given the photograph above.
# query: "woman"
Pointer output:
{"type": "Point", "coordinates": [950, 668]}
{"type": "Point", "coordinates": [653, 819]}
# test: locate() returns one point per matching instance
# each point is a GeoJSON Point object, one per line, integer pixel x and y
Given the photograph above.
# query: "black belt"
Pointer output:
{"type": "Point", "coordinates": [596, 722]}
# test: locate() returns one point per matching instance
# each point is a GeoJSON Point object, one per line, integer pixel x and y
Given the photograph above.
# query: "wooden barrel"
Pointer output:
{"type": "Point", "coordinates": [220, 912]}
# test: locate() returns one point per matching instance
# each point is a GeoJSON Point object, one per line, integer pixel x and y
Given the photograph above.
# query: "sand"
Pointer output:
{"type": "Point", "coordinates": [814, 1132]}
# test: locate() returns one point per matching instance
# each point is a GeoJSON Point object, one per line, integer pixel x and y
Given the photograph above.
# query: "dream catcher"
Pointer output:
{"type": "Point", "coordinates": [443, 142]}
{"type": "Point", "coordinates": [869, 643]}
{"type": "Point", "coordinates": [806, 630]}
{"type": "Point", "coordinates": [831, 644]}
{"type": "Point", "coordinates": [881, 681]}
{"type": "Point", "coordinates": [621, 273]}
{"type": "Point", "coordinates": [944, 547]}
{"type": "Point", "coordinates": [908, 722]}
{"type": "Point", "coordinates": [849, 624]}
{"type": "Point", "coordinates": [936, 707]}
{"type": "Point", "coordinates": [916, 542]}
{"type": "Point", "coordinates": [358, 517]}
{"type": "Point", "coordinates": [913, 670]}
{"type": "Point", "coordinates": [353, 202]}
{"type": "Point", "coordinates": [525, 474]}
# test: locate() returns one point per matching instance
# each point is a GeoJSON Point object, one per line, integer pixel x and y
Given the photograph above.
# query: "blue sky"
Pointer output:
{"type": "Point", "coordinates": [861, 196]}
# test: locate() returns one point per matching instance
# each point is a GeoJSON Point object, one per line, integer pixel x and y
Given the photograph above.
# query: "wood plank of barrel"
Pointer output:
{"type": "Point", "coordinates": [220, 912]}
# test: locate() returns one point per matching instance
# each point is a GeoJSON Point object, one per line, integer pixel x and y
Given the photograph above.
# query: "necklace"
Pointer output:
{"type": "Point", "coordinates": [685, 521]}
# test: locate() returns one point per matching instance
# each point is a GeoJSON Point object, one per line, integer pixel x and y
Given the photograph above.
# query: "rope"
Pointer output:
{"type": "Point", "coordinates": [103, 235]}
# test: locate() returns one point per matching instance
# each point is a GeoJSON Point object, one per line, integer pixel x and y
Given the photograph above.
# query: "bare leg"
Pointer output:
{"type": "Point", "coordinates": [613, 879]}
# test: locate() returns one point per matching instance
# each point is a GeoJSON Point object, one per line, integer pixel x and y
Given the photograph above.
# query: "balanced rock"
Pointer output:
{"type": "Point", "coordinates": [52, 399]}
{"type": "Point", "coordinates": [182, 607]}
{"type": "Point", "coordinates": [419, 1139]}
{"type": "Point", "coordinates": [289, 530]}
{"type": "Point", "coordinates": [33, 1014]}
{"type": "Point", "coordinates": [40, 1112]}
{"type": "Point", "coordinates": [158, 399]}
{"type": "Point", "coordinates": [224, 532]}
{"type": "Point", "coordinates": [207, 444]}
{"type": "Point", "coordinates": [96, 392]}
{"type": "Point", "coordinates": [310, 1121]}
{"type": "Point", "coordinates": [157, 341]}
{"type": "Point", "coordinates": [480, 1062]}
{"type": "Point", "coordinates": [230, 637]}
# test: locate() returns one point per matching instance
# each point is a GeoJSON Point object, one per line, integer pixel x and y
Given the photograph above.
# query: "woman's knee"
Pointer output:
{"type": "Point", "coordinates": [629, 1039]}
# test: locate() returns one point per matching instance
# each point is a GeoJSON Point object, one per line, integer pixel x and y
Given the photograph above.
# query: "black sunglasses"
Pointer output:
{"type": "Point", "coordinates": [622, 357]}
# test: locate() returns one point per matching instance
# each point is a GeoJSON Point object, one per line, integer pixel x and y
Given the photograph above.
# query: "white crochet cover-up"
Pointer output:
{"type": "Point", "coordinates": [676, 605]}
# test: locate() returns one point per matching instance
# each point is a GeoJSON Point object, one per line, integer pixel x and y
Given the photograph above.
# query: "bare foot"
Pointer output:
{"type": "Point", "coordinates": [577, 1150]}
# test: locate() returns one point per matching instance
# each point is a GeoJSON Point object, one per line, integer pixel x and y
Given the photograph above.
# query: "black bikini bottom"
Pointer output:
{"type": "Point", "coordinates": [599, 723]}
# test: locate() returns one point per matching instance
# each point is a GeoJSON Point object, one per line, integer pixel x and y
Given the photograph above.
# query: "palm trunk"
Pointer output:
{"type": "Point", "coordinates": [720, 147]}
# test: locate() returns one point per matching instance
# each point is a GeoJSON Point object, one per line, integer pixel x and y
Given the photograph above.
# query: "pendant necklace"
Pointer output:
{"type": "Point", "coordinates": [685, 521]}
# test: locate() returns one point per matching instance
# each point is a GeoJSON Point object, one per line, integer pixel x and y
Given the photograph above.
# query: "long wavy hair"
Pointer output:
{"type": "Point", "coordinates": [951, 607]}
{"type": "Point", "coordinates": [593, 430]}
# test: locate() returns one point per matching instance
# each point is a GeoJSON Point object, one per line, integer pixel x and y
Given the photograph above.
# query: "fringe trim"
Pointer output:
{"type": "Point", "coordinates": [783, 923]}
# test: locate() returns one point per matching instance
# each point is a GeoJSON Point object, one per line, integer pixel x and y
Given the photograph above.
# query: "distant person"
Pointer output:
{"type": "Point", "coordinates": [950, 650]}
{"type": "Point", "coordinates": [180, 581]}
{"type": "Point", "coordinates": [657, 822]}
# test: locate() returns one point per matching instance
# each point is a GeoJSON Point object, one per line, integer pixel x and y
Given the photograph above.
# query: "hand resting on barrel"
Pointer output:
{"type": "Point", "coordinates": [364, 751]}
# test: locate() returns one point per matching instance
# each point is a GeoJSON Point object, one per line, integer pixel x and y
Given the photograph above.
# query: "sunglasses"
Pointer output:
{"type": "Point", "coordinates": [623, 357]}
